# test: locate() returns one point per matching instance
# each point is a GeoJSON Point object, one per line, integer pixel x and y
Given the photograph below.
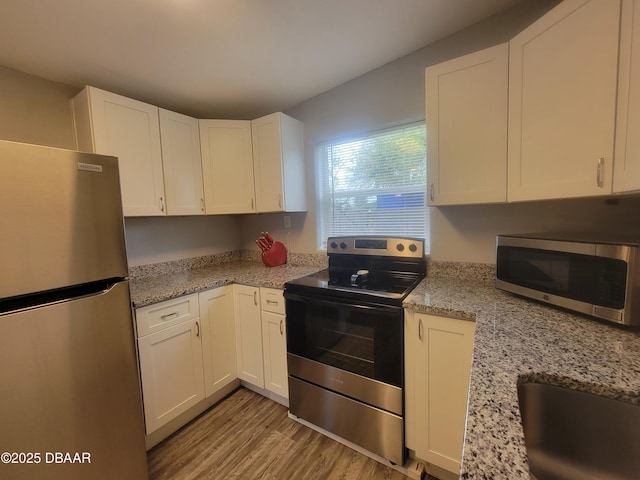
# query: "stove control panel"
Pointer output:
{"type": "Point", "coordinates": [375, 245]}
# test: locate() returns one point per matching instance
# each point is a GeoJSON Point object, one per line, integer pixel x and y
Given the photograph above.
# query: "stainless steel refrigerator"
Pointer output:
{"type": "Point", "coordinates": [70, 405]}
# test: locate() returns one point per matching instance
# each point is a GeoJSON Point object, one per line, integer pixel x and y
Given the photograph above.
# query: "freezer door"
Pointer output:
{"type": "Point", "coordinates": [60, 218]}
{"type": "Point", "coordinates": [69, 385]}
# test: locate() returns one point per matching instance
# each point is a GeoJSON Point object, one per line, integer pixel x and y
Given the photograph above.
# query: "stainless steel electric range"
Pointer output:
{"type": "Point", "coordinates": [345, 348]}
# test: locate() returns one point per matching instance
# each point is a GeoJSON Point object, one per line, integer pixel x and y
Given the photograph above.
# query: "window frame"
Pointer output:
{"type": "Point", "coordinates": [322, 181]}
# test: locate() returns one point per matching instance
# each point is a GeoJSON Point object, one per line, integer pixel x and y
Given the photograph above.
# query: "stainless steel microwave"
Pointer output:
{"type": "Point", "coordinates": [586, 275]}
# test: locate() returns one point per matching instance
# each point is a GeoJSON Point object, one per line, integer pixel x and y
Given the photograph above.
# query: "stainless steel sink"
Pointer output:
{"type": "Point", "coordinates": [576, 435]}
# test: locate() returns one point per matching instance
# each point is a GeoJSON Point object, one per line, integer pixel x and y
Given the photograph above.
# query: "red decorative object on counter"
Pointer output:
{"type": "Point", "coordinates": [273, 253]}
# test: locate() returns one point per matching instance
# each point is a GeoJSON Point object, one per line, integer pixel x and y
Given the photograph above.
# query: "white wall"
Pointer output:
{"type": "Point", "coordinates": [468, 233]}
{"type": "Point", "coordinates": [162, 239]}
{"type": "Point", "coordinates": [35, 110]}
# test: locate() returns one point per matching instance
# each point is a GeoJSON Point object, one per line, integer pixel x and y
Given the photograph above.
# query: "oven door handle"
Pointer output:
{"type": "Point", "coordinates": [356, 304]}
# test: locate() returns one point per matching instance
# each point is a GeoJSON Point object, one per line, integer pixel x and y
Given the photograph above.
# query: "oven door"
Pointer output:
{"type": "Point", "coordinates": [355, 349]}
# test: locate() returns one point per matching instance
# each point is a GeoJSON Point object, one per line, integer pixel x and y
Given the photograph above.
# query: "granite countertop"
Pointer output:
{"type": "Point", "coordinates": [152, 289]}
{"type": "Point", "coordinates": [517, 340]}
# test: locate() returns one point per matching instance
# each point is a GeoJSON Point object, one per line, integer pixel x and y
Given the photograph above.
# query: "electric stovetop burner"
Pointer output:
{"type": "Point", "coordinates": [380, 269]}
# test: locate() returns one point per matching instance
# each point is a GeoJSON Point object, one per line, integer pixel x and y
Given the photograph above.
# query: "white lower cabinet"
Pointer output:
{"type": "Point", "coordinates": [261, 340]}
{"type": "Point", "coordinates": [246, 309]}
{"type": "Point", "coordinates": [195, 347]}
{"type": "Point", "coordinates": [218, 338]}
{"type": "Point", "coordinates": [274, 341]}
{"type": "Point", "coordinates": [186, 348]}
{"type": "Point", "coordinates": [438, 354]}
{"type": "Point", "coordinates": [171, 367]}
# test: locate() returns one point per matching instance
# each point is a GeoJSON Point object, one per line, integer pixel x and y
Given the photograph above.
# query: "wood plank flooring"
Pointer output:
{"type": "Point", "coordinates": [247, 436]}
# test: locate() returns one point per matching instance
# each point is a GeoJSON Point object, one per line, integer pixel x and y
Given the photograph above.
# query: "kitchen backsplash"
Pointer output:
{"type": "Point", "coordinates": [174, 266]}
{"type": "Point", "coordinates": [462, 270]}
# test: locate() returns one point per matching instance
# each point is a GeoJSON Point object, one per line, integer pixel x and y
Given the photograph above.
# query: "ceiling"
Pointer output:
{"type": "Point", "coordinates": [222, 58]}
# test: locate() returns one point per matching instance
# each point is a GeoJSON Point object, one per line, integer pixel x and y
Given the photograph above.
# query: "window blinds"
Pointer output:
{"type": "Point", "coordinates": [374, 185]}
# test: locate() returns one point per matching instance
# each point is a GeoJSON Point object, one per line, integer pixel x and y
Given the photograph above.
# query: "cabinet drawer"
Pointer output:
{"type": "Point", "coordinates": [162, 315]}
{"type": "Point", "coordinates": [271, 300]}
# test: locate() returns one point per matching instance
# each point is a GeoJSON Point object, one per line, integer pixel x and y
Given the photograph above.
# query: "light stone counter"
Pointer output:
{"type": "Point", "coordinates": [157, 288]}
{"type": "Point", "coordinates": [518, 340]}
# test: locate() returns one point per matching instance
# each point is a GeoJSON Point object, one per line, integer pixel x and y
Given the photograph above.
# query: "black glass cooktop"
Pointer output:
{"type": "Point", "coordinates": [366, 269]}
{"type": "Point", "coordinates": [352, 283]}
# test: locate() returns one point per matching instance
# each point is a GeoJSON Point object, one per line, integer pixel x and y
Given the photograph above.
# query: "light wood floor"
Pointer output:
{"type": "Point", "coordinates": [247, 436]}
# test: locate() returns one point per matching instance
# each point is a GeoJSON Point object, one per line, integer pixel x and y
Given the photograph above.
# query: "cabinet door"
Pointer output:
{"type": "Point", "coordinates": [278, 163]}
{"type": "Point", "coordinates": [626, 172]}
{"type": "Point", "coordinates": [227, 166]}
{"type": "Point", "coordinates": [275, 353]}
{"type": "Point", "coordinates": [246, 309]}
{"type": "Point", "coordinates": [562, 98]}
{"type": "Point", "coordinates": [218, 338]}
{"type": "Point", "coordinates": [129, 129]}
{"type": "Point", "coordinates": [171, 372]}
{"type": "Point", "coordinates": [182, 165]}
{"type": "Point", "coordinates": [466, 115]}
{"type": "Point", "coordinates": [438, 369]}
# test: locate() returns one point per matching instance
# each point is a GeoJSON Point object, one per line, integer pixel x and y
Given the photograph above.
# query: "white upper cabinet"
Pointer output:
{"type": "Point", "coordinates": [466, 116]}
{"type": "Point", "coordinates": [562, 99]}
{"type": "Point", "coordinates": [626, 172]}
{"type": "Point", "coordinates": [180, 141]}
{"type": "Point", "coordinates": [227, 166]}
{"type": "Point", "coordinates": [278, 157]}
{"type": "Point", "coordinates": [111, 124]}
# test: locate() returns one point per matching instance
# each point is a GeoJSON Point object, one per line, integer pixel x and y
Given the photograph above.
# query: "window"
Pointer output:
{"type": "Point", "coordinates": [374, 185]}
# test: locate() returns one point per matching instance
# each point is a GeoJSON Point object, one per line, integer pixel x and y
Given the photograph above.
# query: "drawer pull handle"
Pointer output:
{"type": "Point", "coordinates": [169, 315]}
{"type": "Point", "coordinates": [281, 327]}
{"type": "Point", "coordinates": [420, 329]}
{"type": "Point", "coordinates": [600, 173]}
{"type": "Point", "coordinates": [198, 329]}
{"type": "Point", "coordinates": [272, 302]}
